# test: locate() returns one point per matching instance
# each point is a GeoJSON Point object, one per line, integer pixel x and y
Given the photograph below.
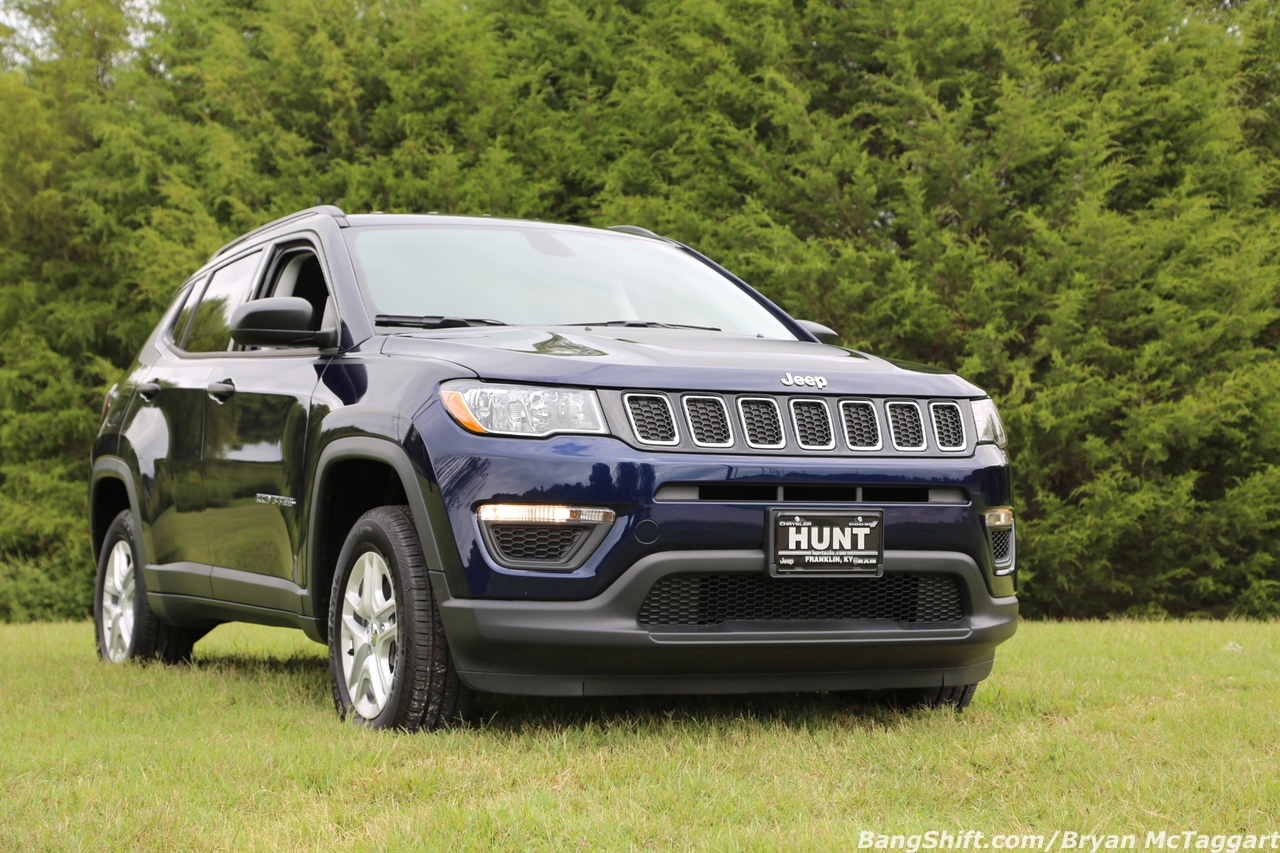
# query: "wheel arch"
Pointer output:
{"type": "Point", "coordinates": [352, 476]}
{"type": "Point", "coordinates": [111, 490]}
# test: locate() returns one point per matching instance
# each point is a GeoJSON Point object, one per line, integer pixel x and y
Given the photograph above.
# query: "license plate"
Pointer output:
{"type": "Point", "coordinates": [825, 542]}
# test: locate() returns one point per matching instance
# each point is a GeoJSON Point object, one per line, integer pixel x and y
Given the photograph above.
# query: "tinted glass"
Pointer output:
{"type": "Point", "coordinates": [535, 275]}
{"type": "Point", "coordinates": [211, 327]}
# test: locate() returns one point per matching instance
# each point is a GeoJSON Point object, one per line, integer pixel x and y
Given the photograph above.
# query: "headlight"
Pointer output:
{"type": "Point", "coordinates": [990, 430]}
{"type": "Point", "coordinates": [527, 410]}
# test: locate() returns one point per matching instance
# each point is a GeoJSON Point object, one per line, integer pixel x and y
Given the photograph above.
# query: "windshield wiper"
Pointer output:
{"type": "Point", "coordinates": [432, 321]}
{"type": "Point", "coordinates": [645, 324]}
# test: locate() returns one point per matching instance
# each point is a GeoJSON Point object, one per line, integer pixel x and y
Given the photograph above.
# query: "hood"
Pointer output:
{"type": "Point", "coordinates": [673, 359]}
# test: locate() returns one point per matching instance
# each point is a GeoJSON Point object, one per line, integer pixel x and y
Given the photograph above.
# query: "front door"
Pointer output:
{"type": "Point", "coordinates": [255, 434]}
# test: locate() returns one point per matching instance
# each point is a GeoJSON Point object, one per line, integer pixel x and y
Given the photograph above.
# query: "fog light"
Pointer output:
{"type": "Point", "coordinates": [999, 518]}
{"type": "Point", "coordinates": [543, 514]}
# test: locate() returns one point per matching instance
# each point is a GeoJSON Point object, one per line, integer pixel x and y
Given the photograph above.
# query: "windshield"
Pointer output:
{"type": "Point", "coordinates": [547, 276]}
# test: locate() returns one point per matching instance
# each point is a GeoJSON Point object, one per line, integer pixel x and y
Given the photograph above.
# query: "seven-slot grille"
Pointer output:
{"type": "Point", "coordinates": [812, 422]}
{"type": "Point", "coordinates": [861, 431]}
{"type": "Point", "coordinates": [905, 427]}
{"type": "Point", "coordinates": [713, 599]}
{"type": "Point", "coordinates": [948, 426]}
{"type": "Point", "coordinates": [743, 423]}
{"type": "Point", "coordinates": [651, 418]}
{"type": "Point", "coordinates": [761, 422]}
{"type": "Point", "coordinates": [708, 421]}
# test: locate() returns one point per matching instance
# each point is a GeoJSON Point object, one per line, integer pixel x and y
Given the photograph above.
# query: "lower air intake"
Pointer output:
{"type": "Point", "coordinates": [1001, 546]}
{"type": "Point", "coordinates": [529, 542]}
{"type": "Point", "coordinates": [712, 599]}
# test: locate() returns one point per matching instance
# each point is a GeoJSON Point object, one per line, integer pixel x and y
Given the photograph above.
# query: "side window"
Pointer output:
{"type": "Point", "coordinates": [211, 326]}
{"type": "Point", "coordinates": [297, 272]}
{"type": "Point", "coordinates": [186, 300]}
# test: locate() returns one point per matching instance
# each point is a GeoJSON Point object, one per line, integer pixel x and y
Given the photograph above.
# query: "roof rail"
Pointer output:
{"type": "Point", "coordinates": [638, 231]}
{"type": "Point", "coordinates": [320, 210]}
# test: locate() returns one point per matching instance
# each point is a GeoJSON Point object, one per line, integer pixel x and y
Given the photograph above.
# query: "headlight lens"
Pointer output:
{"type": "Point", "coordinates": [990, 430]}
{"type": "Point", "coordinates": [526, 410]}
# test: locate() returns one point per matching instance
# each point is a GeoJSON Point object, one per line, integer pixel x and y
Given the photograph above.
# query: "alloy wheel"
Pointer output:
{"type": "Point", "coordinates": [119, 587]}
{"type": "Point", "coordinates": [369, 634]}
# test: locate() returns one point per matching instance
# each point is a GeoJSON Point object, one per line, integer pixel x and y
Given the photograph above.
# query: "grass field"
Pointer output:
{"type": "Point", "coordinates": [1115, 727]}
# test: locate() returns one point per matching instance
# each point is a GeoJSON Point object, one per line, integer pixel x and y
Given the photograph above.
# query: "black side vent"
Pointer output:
{"type": "Point", "coordinates": [761, 422]}
{"type": "Point", "coordinates": [708, 421]}
{"type": "Point", "coordinates": [905, 427]}
{"type": "Point", "coordinates": [861, 430]}
{"type": "Point", "coordinates": [813, 424]}
{"type": "Point", "coordinates": [1002, 547]}
{"type": "Point", "coordinates": [548, 543]}
{"type": "Point", "coordinates": [713, 599]}
{"type": "Point", "coordinates": [948, 426]}
{"type": "Point", "coordinates": [651, 418]}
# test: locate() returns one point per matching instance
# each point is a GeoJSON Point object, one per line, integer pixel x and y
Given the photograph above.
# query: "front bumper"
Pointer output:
{"type": "Point", "coordinates": [597, 646]}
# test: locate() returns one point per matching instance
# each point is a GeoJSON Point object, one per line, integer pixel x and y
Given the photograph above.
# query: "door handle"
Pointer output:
{"type": "Point", "coordinates": [148, 390]}
{"type": "Point", "coordinates": [220, 391]}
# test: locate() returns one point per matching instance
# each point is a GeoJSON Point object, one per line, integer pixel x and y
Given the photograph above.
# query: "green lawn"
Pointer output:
{"type": "Point", "coordinates": [1114, 727]}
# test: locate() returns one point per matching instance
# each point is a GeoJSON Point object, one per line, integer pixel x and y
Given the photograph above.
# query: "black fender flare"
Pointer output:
{"type": "Point", "coordinates": [437, 544]}
{"type": "Point", "coordinates": [113, 467]}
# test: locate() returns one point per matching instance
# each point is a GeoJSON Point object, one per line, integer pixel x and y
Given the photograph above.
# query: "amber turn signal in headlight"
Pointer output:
{"type": "Point", "coordinates": [533, 411]}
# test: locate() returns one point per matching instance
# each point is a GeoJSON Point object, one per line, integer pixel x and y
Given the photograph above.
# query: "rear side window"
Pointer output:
{"type": "Point", "coordinates": [210, 329]}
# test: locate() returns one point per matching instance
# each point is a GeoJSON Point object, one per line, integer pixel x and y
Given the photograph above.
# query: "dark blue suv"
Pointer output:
{"type": "Point", "coordinates": [481, 454]}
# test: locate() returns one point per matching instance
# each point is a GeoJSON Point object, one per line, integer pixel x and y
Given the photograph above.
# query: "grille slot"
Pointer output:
{"type": "Point", "coordinates": [1002, 547]}
{"type": "Point", "coordinates": [651, 418]}
{"type": "Point", "coordinates": [535, 542]}
{"type": "Point", "coordinates": [948, 426]}
{"type": "Point", "coordinates": [761, 422]}
{"type": "Point", "coordinates": [713, 599]}
{"type": "Point", "coordinates": [812, 422]}
{"type": "Point", "coordinates": [708, 421]}
{"type": "Point", "coordinates": [905, 427]}
{"type": "Point", "coordinates": [861, 431]}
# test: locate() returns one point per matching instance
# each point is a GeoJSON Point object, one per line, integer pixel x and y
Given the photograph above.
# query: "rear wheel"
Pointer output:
{"type": "Point", "coordinates": [387, 649]}
{"type": "Point", "coordinates": [125, 626]}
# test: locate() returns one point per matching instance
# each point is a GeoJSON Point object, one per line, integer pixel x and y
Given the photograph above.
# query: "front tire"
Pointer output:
{"type": "Point", "coordinates": [125, 626]}
{"type": "Point", "coordinates": [388, 654]}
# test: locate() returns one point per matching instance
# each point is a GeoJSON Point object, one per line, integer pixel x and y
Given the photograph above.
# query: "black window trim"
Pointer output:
{"type": "Point", "coordinates": [270, 251]}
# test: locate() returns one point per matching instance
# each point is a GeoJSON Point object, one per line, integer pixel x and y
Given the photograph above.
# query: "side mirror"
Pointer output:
{"type": "Point", "coordinates": [823, 333]}
{"type": "Point", "coordinates": [279, 321]}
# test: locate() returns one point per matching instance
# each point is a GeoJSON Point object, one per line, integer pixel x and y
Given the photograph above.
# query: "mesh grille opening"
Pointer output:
{"type": "Point", "coordinates": [1001, 545]}
{"type": "Point", "coordinates": [905, 426]}
{"type": "Point", "coordinates": [813, 424]}
{"type": "Point", "coordinates": [762, 422]}
{"type": "Point", "coordinates": [713, 599]}
{"type": "Point", "coordinates": [651, 418]}
{"type": "Point", "coordinates": [708, 421]}
{"type": "Point", "coordinates": [860, 428]}
{"type": "Point", "coordinates": [538, 542]}
{"type": "Point", "coordinates": [948, 428]}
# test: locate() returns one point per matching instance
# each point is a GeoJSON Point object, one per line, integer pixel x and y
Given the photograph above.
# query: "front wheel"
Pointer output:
{"type": "Point", "coordinates": [387, 649]}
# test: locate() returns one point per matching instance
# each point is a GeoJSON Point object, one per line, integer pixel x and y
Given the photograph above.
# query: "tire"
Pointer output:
{"type": "Point", "coordinates": [124, 625]}
{"type": "Point", "coordinates": [956, 697]}
{"type": "Point", "coordinates": [388, 654]}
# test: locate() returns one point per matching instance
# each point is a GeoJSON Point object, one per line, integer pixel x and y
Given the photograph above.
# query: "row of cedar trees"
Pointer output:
{"type": "Point", "coordinates": [1073, 204]}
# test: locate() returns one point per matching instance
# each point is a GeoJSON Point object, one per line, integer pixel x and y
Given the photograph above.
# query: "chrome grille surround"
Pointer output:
{"type": "Point", "coordinates": [850, 413]}
{"type": "Point", "coordinates": [948, 424]}
{"type": "Point", "coordinates": [712, 417]}
{"type": "Point", "coordinates": [904, 417]}
{"type": "Point", "coordinates": [752, 427]}
{"type": "Point", "coordinates": [631, 402]}
{"type": "Point", "coordinates": [811, 427]}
